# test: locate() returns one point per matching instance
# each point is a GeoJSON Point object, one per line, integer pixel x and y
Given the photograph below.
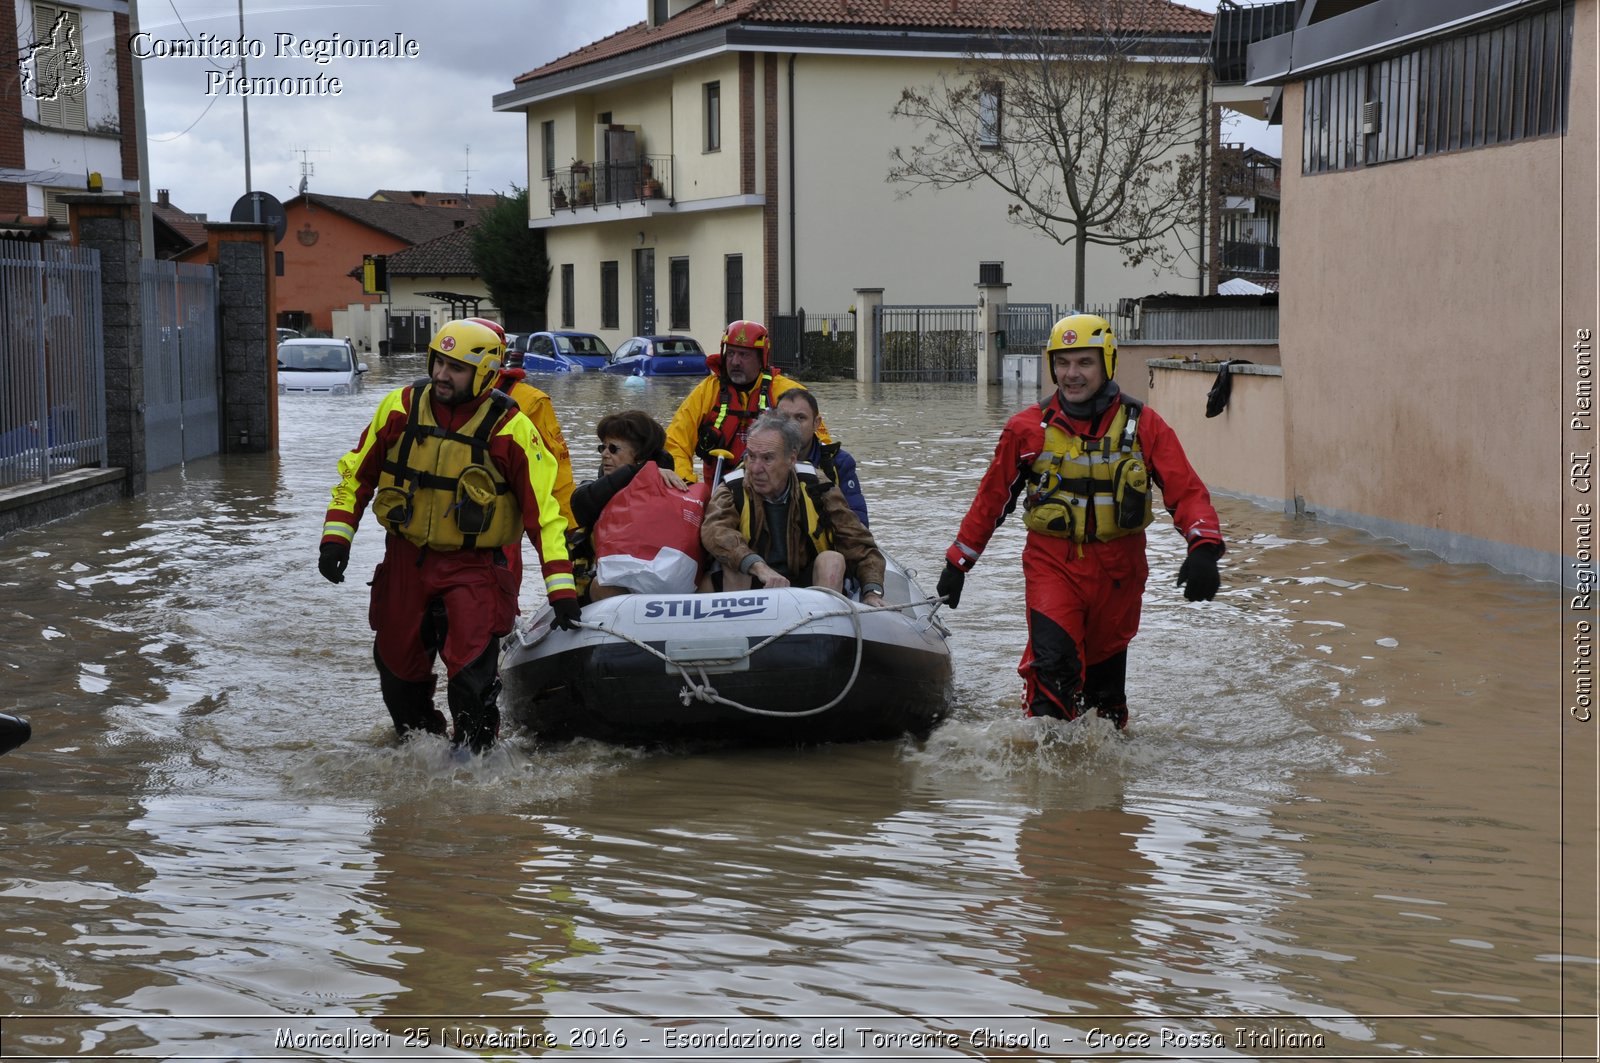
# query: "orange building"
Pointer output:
{"type": "Point", "coordinates": [328, 236]}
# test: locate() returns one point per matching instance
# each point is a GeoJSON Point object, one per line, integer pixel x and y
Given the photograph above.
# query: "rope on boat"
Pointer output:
{"type": "Point", "coordinates": [704, 691]}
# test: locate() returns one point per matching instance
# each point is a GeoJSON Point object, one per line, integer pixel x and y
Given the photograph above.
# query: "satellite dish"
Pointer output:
{"type": "Point", "coordinates": [264, 208]}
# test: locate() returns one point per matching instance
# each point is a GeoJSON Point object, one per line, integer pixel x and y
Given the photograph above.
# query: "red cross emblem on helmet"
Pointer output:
{"type": "Point", "coordinates": [447, 343]}
{"type": "Point", "coordinates": [1069, 337]}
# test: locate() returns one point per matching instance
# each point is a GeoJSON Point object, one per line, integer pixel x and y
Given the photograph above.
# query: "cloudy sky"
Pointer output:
{"type": "Point", "coordinates": [423, 122]}
{"type": "Point", "coordinates": [400, 123]}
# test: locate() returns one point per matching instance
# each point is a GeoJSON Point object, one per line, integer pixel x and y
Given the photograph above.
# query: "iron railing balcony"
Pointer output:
{"type": "Point", "coordinates": [1236, 27]}
{"type": "Point", "coordinates": [598, 184]}
{"type": "Point", "coordinates": [1252, 257]}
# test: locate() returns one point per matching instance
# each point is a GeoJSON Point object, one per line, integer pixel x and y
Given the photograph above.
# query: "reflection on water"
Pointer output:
{"type": "Point", "coordinates": [1340, 801]}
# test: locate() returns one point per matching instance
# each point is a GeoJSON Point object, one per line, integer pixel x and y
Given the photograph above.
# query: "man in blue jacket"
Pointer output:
{"type": "Point", "coordinates": [833, 461]}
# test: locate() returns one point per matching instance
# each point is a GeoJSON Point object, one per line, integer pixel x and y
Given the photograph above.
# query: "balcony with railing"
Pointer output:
{"type": "Point", "coordinates": [1236, 27]}
{"type": "Point", "coordinates": [1240, 256]}
{"type": "Point", "coordinates": [644, 181]}
{"type": "Point", "coordinates": [1247, 172]}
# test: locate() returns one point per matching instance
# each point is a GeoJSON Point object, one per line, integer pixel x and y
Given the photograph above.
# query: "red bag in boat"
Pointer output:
{"type": "Point", "coordinates": [648, 537]}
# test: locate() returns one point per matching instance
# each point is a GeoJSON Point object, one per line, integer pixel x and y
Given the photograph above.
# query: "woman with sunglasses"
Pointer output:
{"type": "Point", "coordinates": [629, 441]}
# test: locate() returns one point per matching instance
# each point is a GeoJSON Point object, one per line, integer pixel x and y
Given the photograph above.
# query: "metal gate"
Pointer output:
{"type": "Point", "coordinates": [925, 343]}
{"type": "Point", "coordinates": [53, 390]}
{"type": "Point", "coordinates": [182, 373]}
{"type": "Point", "coordinates": [409, 330]}
{"type": "Point", "coordinates": [1026, 326]}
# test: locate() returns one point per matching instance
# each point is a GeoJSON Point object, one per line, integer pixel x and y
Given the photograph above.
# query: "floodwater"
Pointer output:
{"type": "Point", "coordinates": [1351, 816]}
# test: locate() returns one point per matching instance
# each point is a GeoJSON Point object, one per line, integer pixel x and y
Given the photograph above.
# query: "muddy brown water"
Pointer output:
{"type": "Point", "coordinates": [1351, 816]}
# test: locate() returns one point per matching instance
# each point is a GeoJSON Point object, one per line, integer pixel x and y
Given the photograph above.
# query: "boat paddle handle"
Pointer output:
{"type": "Point", "coordinates": [721, 455]}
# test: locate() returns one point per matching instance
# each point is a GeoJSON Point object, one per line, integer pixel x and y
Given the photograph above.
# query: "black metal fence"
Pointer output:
{"type": "Point", "coordinates": [815, 346]}
{"type": "Point", "coordinates": [1237, 27]}
{"type": "Point", "coordinates": [592, 185]}
{"type": "Point", "coordinates": [936, 343]}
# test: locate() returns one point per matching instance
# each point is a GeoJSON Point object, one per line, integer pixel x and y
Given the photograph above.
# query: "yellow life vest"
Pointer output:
{"type": "Point", "coordinates": [439, 489]}
{"type": "Point", "coordinates": [1090, 490]}
{"type": "Point", "coordinates": [818, 528]}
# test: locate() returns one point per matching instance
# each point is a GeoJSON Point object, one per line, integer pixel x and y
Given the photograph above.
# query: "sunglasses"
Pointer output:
{"type": "Point", "coordinates": [608, 448]}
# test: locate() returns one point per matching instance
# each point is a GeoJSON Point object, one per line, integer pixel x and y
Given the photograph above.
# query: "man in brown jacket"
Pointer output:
{"type": "Point", "coordinates": [822, 541]}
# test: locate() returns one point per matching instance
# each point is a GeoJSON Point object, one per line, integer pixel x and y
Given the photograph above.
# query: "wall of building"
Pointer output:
{"type": "Point", "coordinates": [1424, 336]}
{"type": "Point", "coordinates": [60, 160]}
{"type": "Point", "coordinates": [319, 247]}
{"type": "Point", "coordinates": [1240, 451]}
{"type": "Point", "coordinates": [704, 238]}
{"type": "Point", "coordinates": [851, 228]}
{"type": "Point", "coordinates": [855, 229]}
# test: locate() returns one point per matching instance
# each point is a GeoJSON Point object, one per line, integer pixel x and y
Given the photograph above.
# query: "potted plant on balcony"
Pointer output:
{"type": "Point", "coordinates": [585, 192]}
{"type": "Point", "coordinates": [560, 197]}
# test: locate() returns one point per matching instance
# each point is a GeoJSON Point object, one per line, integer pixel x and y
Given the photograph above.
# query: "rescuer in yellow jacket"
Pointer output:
{"type": "Point", "coordinates": [718, 413]}
{"type": "Point", "coordinates": [542, 412]}
{"type": "Point", "coordinates": [455, 474]}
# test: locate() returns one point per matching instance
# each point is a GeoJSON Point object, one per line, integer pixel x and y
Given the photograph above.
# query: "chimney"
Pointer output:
{"type": "Point", "coordinates": [161, 197]}
{"type": "Point", "coordinates": [419, 198]}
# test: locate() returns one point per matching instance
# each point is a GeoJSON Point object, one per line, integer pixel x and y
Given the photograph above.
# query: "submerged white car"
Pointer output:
{"type": "Point", "coordinates": [318, 367]}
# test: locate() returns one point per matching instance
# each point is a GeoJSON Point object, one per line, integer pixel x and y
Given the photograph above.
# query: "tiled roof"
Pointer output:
{"type": "Point", "coordinates": [445, 256]}
{"type": "Point", "coordinates": [183, 223]}
{"type": "Point", "coordinates": [1154, 16]}
{"type": "Point", "coordinates": [435, 199]}
{"type": "Point", "coordinates": [404, 221]}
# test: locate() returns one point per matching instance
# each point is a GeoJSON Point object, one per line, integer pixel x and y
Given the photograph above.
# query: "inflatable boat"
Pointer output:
{"type": "Point", "coordinates": [14, 731]}
{"type": "Point", "coordinates": [758, 667]}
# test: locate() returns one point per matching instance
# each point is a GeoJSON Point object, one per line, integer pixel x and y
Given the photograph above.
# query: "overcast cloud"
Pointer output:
{"type": "Point", "coordinates": [399, 123]}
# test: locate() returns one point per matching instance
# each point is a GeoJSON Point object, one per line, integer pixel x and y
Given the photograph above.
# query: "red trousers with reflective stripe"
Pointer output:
{"type": "Point", "coordinates": [1092, 593]}
{"type": "Point", "coordinates": [477, 587]}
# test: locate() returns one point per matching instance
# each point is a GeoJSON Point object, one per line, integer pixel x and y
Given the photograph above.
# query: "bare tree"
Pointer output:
{"type": "Point", "coordinates": [1091, 129]}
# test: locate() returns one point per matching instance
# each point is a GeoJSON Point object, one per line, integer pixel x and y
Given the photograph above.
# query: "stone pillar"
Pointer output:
{"type": "Point", "coordinates": [868, 300]}
{"type": "Point", "coordinates": [991, 302]}
{"type": "Point", "coordinates": [242, 255]}
{"type": "Point", "coordinates": [110, 225]}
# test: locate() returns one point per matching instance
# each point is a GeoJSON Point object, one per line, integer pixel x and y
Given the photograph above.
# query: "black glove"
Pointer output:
{"type": "Point", "coordinates": [331, 561]}
{"type": "Point", "coordinates": [1198, 574]}
{"type": "Point", "coordinates": [568, 613]}
{"type": "Point", "coordinates": [950, 583]}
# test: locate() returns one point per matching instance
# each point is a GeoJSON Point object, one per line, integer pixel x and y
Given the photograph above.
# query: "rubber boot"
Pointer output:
{"type": "Point", "coordinates": [474, 695]}
{"type": "Point", "coordinates": [1052, 697]}
{"type": "Point", "coordinates": [1053, 690]}
{"type": "Point", "coordinates": [409, 703]}
{"type": "Point", "coordinates": [1105, 688]}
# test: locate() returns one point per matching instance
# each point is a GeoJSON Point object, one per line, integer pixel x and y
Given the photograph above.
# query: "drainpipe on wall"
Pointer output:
{"type": "Point", "coordinates": [793, 299]}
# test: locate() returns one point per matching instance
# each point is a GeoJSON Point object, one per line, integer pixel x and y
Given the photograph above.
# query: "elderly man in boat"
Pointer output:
{"type": "Point", "coordinates": [776, 522]}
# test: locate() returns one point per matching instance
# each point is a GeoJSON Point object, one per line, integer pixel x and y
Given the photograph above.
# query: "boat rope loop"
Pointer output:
{"type": "Point", "coordinates": [702, 690]}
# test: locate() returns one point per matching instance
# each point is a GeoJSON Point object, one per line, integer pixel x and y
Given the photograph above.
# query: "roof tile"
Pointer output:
{"type": "Point", "coordinates": [1154, 16]}
{"type": "Point", "coordinates": [404, 221]}
{"type": "Point", "coordinates": [449, 255]}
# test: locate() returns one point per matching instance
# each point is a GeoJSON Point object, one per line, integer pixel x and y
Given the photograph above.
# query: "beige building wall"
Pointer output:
{"type": "Point", "coordinates": [857, 230]}
{"type": "Point", "coordinates": [849, 226]}
{"type": "Point", "coordinates": [703, 238]}
{"type": "Point", "coordinates": [1240, 451]}
{"type": "Point", "coordinates": [1423, 340]}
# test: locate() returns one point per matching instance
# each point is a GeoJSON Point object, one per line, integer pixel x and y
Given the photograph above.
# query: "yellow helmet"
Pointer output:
{"type": "Point", "coordinates": [470, 343]}
{"type": "Point", "coordinates": [1084, 330]}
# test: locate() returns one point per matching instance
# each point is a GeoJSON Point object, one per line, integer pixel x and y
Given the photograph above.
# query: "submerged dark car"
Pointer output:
{"type": "Point", "coordinates": [659, 356]}
{"type": "Point", "coordinates": [561, 352]}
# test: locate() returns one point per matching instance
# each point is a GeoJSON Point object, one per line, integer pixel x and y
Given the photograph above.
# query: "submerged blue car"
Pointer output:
{"type": "Point", "coordinates": [659, 356]}
{"type": "Point", "coordinates": [560, 352]}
